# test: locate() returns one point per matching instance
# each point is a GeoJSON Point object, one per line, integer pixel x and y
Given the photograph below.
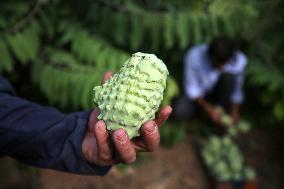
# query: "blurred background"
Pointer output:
{"type": "Point", "coordinates": [54, 52]}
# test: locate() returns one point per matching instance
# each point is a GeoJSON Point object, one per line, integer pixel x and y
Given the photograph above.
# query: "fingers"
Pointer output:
{"type": "Point", "coordinates": [150, 135]}
{"type": "Point", "coordinates": [106, 77]}
{"type": "Point", "coordinates": [93, 119]}
{"type": "Point", "coordinates": [163, 115]}
{"type": "Point", "coordinates": [123, 146]}
{"type": "Point", "coordinates": [105, 154]}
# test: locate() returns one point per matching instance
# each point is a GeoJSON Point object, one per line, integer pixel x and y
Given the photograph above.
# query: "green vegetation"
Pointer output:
{"type": "Point", "coordinates": [56, 51]}
{"type": "Point", "coordinates": [64, 47]}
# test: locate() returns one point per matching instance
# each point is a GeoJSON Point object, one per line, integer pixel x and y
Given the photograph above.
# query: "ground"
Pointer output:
{"type": "Point", "coordinates": [168, 168]}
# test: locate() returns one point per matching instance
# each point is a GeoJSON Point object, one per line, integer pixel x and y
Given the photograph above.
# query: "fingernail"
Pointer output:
{"type": "Point", "coordinates": [152, 129]}
{"type": "Point", "coordinates": [122, 137]}
{"type": "Point", "coordinates": [101, 126]}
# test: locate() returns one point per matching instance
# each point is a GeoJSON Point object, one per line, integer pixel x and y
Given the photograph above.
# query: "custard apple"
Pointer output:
{"type": "Point", "coordinates": [133, 95]}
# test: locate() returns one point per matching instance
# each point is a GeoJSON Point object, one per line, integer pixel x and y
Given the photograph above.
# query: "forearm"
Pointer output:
{"type": "Point", "coordinates": [204, 104]}
{"type": "Point", "coordinates": [42, 136]}
{"type": "Point", "coordinates": [235, 112]}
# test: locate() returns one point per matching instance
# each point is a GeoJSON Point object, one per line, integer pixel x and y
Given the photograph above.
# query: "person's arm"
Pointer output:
{"type": "Point", "coordinates": [193, 89]}
{"type": "Point", "coordinates": [238, 95]}
{"type": "Point", "coordinates": [42, 136]}
{"type": "Point", "coordinates": [209, 108]}
{"type": "Point", "coordinates": [237, 99]}
{"type": "Point", "coordinates": [235, 112]}
{"type": "Point", "coordinates": [77, 143]}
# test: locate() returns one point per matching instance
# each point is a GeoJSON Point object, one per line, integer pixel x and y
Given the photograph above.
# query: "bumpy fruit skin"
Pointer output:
{"type": "Point", "coordinates": [133, 95]}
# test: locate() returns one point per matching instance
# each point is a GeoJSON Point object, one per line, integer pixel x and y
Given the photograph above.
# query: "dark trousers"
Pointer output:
{"type": "Point", "coordinates": [184, 108]}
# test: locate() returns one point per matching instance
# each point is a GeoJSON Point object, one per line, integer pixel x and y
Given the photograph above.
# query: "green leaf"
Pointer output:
{"type": "Point", "coordinates": [213, 20]}
{"type": "Point", "coordinates": [137, 31]}
{"type": "Point", "coordinates": [63, 93]}
{"type": "Point", "coordinates": [6, 62]}
{"type": "Point", "coordinates": [196, 29]}
{"type": "Point", "coordinates": [69, 33]}
{"type": "Point", "coordinates": [87, 93]}
{"type": "Point", "coordinates": [227, 26]}
{"type": "Point", "coordinates": [154, 26]}
{"type": "Point", "coordinates": [47, 24]}
{"type": "Point", "coordinates": [2, 22]}
{"type": "Point", "coordinates": [31, 37]}
{"type": "Point", "coordinates": [79, 79]}
{"type": "Point", "coordinates": [183, 31]}
{"type": "Point", "coordinates": [278, 109]}
{"type": "Point", "coordinates": [103, 57]}
{"type": "Point", "coordinates": [206, 29]}
{"type": "Point", "coordinates": [16, 44]}
{"type": "Point", "coordinates": [169, 30]}
{"type": "Point", "coordinates": [121, 28]}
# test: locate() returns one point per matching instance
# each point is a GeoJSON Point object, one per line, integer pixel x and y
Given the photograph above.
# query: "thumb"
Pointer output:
{"type": "Point", "coordinates": [106, 77]}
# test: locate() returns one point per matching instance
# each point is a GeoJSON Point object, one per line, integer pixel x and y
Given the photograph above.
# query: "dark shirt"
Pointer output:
{"type": "Point", "coordinates": [43, 136]}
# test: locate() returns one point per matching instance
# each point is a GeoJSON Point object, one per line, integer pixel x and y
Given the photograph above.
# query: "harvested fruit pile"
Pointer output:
{"type": "Point", "coordinates": [225, 160]}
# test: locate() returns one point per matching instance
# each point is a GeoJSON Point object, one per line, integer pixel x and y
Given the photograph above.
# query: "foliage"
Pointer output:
{"type": "Point", "coordinates": [172, 133]}
{"type": "Point", "coordinates": [68, 45]}
{"type": "Point", "coordinates": [266, 70]}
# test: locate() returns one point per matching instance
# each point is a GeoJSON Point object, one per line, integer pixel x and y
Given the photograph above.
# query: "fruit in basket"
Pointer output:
{"type": "Point", "coordinates": [249, 173]}
{"type": "Point", "coordinates": [243, 126]}
{"type": "Point", "coordinates": [225, 160]}
{"type": "Point", "coordinates": [225, 118]}
{"type": "Point", "coordinates": [133, 95]}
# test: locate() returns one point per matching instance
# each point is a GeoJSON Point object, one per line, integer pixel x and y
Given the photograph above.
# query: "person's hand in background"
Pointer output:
{"type": "Point", "coordinates": [103, 148]}
{"type": "Point", "coordinates": [215, 115]}
{"type": "Point", "coordinates": [212, 111]}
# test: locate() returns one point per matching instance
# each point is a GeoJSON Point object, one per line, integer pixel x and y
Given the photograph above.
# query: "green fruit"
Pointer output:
{"type": "Point", "coordinates": [233, 131]}
{"type": "Point", "coordinates": [220, 170]}
{"type": "Point", "coordinates": [226, 120]}
{"type": "Point", "coordinates": [249, 173]}
{"type": "Point", "coordinates": [133, 95]}
{"type": "Point", "coordinates": [215, 143]}
{"type": "Point", "coordinates": [244, 127]}
{"type": "Point", "coordinates": [227, 142]}
{"type": "Point", "coordinates": [236, 165]}
{"type": "Point", "coordinates": [237, 176]}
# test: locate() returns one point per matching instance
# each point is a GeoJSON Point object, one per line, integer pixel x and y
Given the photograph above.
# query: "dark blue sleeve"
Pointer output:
{"type": "Point", "coordinates": [42, 136]}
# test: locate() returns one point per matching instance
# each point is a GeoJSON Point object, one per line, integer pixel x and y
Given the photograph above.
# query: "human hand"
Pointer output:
{"type": "Point", "coordinates": [215, 115]}
{"type": "Point", "coordinates": [103, 148]}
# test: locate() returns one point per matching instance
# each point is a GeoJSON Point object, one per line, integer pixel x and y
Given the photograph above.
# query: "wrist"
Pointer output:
{"type": "Point", "coordinates": [204, 104]}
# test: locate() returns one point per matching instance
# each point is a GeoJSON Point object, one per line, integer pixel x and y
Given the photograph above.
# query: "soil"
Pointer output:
{"type": "Point", "coordinates": [177, 167]}
{"type": "Point", "coordinates": [168, 168]}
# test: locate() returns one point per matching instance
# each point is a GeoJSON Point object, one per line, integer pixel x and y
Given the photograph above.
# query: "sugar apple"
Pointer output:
{"type": "Point", "coordinates": [133, 95]}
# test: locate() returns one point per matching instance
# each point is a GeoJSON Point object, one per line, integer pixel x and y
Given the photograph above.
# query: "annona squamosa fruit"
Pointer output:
{"type": "Point", "coordinates": [243, 126]}
{"type": "Point", "coordinates": [225, 118]}
{"type": "Point", "coordinates": [249, 173]}
{"type": "Point", "coordinates": [132, 95]}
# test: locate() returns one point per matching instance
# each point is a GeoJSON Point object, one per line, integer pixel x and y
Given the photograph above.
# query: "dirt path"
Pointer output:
{"type": "Point", "coordinates": [177, 167]}
{"type": "Point", "coordinates": [174, 168]}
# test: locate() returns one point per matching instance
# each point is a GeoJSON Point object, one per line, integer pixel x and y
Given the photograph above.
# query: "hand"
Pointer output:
{"type": "Point", "coordinates": [215, 115]}
{"type": "Point", "coordinates": [102, 148]}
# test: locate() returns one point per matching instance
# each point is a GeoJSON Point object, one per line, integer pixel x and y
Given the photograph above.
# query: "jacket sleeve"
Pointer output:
{"type": "Point", "coordinates": [42, 136]}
